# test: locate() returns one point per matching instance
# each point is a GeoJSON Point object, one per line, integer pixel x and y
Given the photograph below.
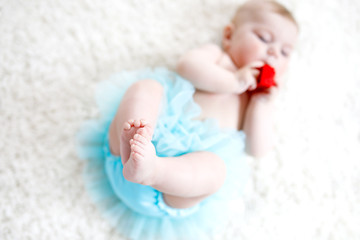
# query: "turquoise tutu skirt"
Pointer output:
{"type": "Point", "coordinates": [139, 212]}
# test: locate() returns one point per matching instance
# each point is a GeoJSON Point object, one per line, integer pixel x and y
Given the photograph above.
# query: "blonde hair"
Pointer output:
{"type": "Point", "coordinates": [267, 5]}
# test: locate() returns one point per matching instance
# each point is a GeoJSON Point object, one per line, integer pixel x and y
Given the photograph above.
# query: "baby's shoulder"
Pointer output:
{"type": "Point", "coordinates": [211, 48]}
{"type": "Point", "coordinates": [207, 52]}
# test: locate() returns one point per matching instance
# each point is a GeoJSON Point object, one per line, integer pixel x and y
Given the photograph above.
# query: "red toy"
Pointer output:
{"type": "Point", "coordinates": [266, 77]}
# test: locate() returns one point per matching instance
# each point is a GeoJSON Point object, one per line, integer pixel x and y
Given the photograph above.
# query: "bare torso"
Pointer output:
{"type": "Point", "coordinates": [227, 109]}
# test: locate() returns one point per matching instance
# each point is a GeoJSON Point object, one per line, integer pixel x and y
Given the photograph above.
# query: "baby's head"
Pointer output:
{"type": "Point", "coordinates": [261, 30]}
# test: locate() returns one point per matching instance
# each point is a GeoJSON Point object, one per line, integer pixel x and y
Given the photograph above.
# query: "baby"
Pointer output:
{"type": "Point", "coordinates": [152, 182]}
{"type": "Point", "coordinates": [259, 34]}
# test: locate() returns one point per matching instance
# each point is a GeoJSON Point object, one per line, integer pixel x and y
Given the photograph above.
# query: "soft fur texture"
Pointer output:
{"type": "Point", "coordinates": [52, 54]}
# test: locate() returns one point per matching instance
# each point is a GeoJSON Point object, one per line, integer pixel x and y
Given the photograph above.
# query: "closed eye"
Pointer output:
{"type": "Point", "coordinates": [263, 39]}
{"type": "Point", "coordinates": [266, 38]}
{"type": "Point", "coordinates": [285, 53]}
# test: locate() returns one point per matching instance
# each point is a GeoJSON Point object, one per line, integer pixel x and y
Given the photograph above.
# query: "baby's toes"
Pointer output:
{"type": "Point", "coordinates": [136, 156]}
{"type": "Point", "coordinates": [143, 123]}
{"type": "Point", "coordinates": [127, 125]}
{"type": "Point", "coordinates": [136, 143]}
{"type": "Point", "coordinates": [145, 132]}
{"type": "Point", "coordinates": [140, 123]}
{"type": "Point", "coordinates": [140, 138]}
{"type": "Point", "coordinates": [136, 147]}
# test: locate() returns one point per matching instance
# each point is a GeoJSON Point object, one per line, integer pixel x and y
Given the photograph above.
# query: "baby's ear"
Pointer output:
{"type": "Point", "coordinates": [227, 35]}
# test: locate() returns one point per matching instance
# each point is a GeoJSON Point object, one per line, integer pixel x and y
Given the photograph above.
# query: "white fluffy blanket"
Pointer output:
{"type": "Point", "coordinates": [52, 53]}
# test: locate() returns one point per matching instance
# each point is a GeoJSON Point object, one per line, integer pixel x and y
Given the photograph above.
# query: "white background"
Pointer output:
{"type": "Point", "coordinates": [52, 53]}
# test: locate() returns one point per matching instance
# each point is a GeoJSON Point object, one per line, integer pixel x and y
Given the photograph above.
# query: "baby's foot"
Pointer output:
{"type": "Point", "coordinates": [129, 129]}
{"type": "Point", "coordinates": [141, 166]}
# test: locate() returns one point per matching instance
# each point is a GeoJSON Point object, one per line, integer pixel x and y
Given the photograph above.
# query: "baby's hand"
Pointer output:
{"type": "Point", "coordinates": [247, 76]}
{"type": "Point", "coordinates": [267, 86]}
{"type": "Point", "coordinates": [267, 95]}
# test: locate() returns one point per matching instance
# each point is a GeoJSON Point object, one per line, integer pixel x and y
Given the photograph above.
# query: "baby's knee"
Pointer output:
{"type": "Point", "coordinates": [218, 175]}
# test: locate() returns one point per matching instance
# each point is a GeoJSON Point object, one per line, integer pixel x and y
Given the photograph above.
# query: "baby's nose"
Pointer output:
{"type": "Point", "coordinates": [272, 51]}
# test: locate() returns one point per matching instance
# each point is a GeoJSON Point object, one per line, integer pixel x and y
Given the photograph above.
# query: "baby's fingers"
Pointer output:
{"type": "Point", "coordinates": [252, 87]}
{"type": "Point", "coordinates": [252, 82]}
{"type": "Point", "coordinates": [255, 72]}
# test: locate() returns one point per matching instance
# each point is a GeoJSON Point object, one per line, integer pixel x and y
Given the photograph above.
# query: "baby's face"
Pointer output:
{"type": "Point", "coordinates": [268, 37]}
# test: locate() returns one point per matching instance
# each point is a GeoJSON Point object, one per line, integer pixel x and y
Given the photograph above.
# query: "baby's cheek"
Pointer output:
{"type": "Point", "coordinates": [254, 51]}
{"type": "Point", "coordinates": [279, 81]}
{"type": "Point", "coordinates": [281, 68]}
{"type": "Point", "coordinates": [279, 77]}
{"type": "Point", "coordinates": [247, 52]}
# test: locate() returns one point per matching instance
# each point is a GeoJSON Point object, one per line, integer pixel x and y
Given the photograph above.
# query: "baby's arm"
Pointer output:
{"type": "Point", "coordinates": [201, 67]}
{"type": "Point", "coordinates": [258, 123]}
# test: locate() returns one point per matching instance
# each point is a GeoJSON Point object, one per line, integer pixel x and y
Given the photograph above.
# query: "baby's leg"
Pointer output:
{"type": "Point", "coordinates": [185, 180]}
{"type": "Point", "coordinates": [141, 101]}
{"type": "Point", "coordinates": [188, 179]}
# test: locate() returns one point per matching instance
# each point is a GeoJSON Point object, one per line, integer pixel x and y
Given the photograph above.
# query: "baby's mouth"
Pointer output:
{"type": "Point", "coordinates": [270, 61]}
